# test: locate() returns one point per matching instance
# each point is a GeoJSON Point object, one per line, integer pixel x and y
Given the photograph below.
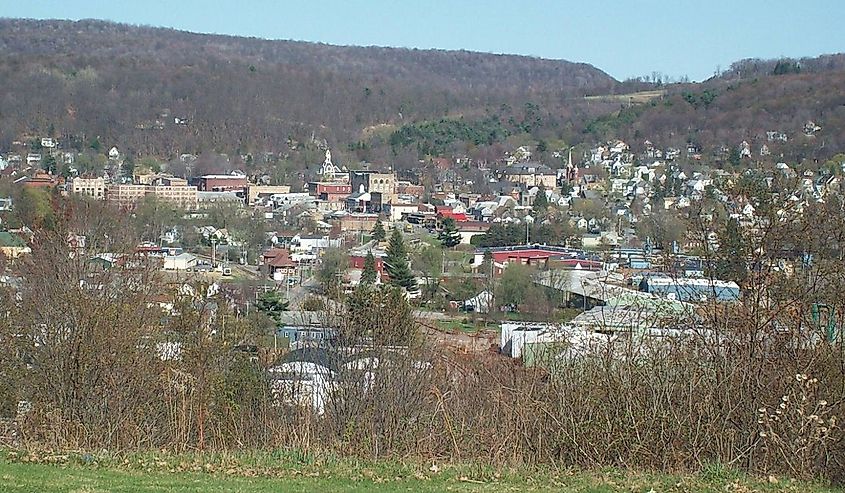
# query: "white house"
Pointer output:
{"type": "Point", "coordinates": [305, 243]}
{"type": "Point", "coordinates": [479, 303]}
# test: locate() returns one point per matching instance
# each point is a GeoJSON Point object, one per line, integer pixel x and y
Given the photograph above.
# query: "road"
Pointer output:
{"type": "Point", "coordinates": [299, 293]}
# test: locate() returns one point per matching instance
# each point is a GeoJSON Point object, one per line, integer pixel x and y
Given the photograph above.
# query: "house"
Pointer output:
{"type": "Point", "coordinates": [210, 233]}
{"type": "Point", "coordinates": [107, 260]}
{"type": "Point", "coordinates": [303, 377]}
{"type": "Point", "coordinates": [480, 303]}
{"type": "Point", "coordinates": [359, 201]}
{"type": "Point", "coordinates": [470, 229]}
{"type": "Point", "coordinates": [271, 254]}
{"type": "Point", "coordinates": [280, 267]}
{"type": "Point", "coordinates": [313, 243]}
{"type": "Point", "coordinates": [301, 336]}
{"type": "Point", "coordinates": [359, 257]}
{"type": "Point", "coordinates": [810, 128]}
{"type": "Point", "coordinates": [744, 149]}
{"type": "Point", "coordinates": [170, 236]}
{"type": "Point", "coordinates": [12, 245]}
{"type": "Point", "coordinates": [775, 136]}
{"type": "Point", "coordinates": [114, 154]}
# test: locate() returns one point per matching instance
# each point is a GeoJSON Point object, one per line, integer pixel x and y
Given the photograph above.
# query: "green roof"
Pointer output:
{"type": "Point", "coordinates": [661, 306]}
{"type": "Point", "coordinates": [9, 240]}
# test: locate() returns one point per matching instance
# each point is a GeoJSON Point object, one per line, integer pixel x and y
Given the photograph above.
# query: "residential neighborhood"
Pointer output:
{"type": "Point", "coordinates": [233, 261]}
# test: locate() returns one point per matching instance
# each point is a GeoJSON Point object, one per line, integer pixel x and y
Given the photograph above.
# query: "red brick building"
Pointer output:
{"type": "Point", "coordinates": [222, 183]}
{"type": "Point", "coordinates": [330, 191]}
{"type": "Point", "coordinates": [279, 264]}
{"type": "Point", "coordinates": [356, 261]}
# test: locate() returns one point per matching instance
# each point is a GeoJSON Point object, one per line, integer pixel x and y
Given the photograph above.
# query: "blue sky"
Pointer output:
{"type": "Point", "coordinates": [623, 38]}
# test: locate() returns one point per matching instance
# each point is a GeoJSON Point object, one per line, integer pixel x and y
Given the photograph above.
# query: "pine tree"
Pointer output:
{"type": "Point", "coordinates": [541, 202]}
{"type": "Point", "coordinates": [449, 236]}
{"type": "Point", "coordinates": [397, 264]}
{"type": "Point", "coordinates": [272, 304]}
{"type": "Point", "coordinates": [369, 274]}
{"type": "Point", "coordinates": [128, 166]}
{"type": "Point", "coordinates": [49, 164]}
{"type": "Point", "coordinates": [486, 267]}
{"type": "Point", "coordinates": [378, 231]}
{"type": "Point", "coordinates": [731, 264]}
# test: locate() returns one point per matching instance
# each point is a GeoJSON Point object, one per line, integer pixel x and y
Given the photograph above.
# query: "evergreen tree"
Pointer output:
{"type": "Point", "coordinates": [49, 164]}
{"type": "Point", "coordinates": [272, 304]}
{"type": "Point", "coordinates": [369, 274]}
{"type": "Point", "coordinates": [397, 264]}
{"type": "Point", "coordinates": [128, 166]}
{"type": "Point", "coordinates": [731, 262]}
{"type": "Point", "coordinates": [734, 157]}
{"type": "Point", "coordinates": [541, 202]}
{"type": "Point", "coordinates": [449, 236]}
{"type": "Point", "coordinates": [486, 267]}
{"type": "Point", "coordinates": [378, 231]}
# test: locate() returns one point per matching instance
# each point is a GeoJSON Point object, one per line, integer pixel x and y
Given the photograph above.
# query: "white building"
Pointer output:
{"type": "Point", "coordinates": [89, 187]}
{"type": "Point", "coordinates": [183, 261]}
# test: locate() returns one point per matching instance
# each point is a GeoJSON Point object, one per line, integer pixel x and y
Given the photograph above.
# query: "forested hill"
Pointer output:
{"type": "Point", "coordinates": [115, 81]}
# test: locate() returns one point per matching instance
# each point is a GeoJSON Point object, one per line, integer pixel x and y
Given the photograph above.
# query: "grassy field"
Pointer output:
{"type": "Point", "coordinates": [294, 472]}
{"type": "Point", "coordinates": [634, 97]}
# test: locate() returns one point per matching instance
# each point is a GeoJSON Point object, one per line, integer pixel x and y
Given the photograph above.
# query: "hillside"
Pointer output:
{"type": "Point", "coordinates": [744, 105]}
{"type": "Point", "coordinates": [96, 78]}
{"type": "Point", "coordinates": [124, 85]}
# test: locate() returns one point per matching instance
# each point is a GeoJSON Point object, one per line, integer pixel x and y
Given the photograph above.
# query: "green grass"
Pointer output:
{"type": "Point", "coordinates": [295, 471]}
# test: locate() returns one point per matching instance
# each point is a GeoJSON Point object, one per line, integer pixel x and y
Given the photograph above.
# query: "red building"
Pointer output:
{"type": "Point", "coordinates": [329, 191]}
{"type": "Point", "coordinates": [356, 261]}
{"type": "Point", "coordinates": [279, 264]}
{"type": "Point", "coordinates": [222, 183]}
{"type": "Point", "coordinates": [447, 212]}
{"type": "Point", "coordinates": [542, 257]}
{"type": "Point", "coordinates": [40, 180]}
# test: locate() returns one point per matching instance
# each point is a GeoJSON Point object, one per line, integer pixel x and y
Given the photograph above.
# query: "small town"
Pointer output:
{"type": "Point", "coordinates": [396, 274]}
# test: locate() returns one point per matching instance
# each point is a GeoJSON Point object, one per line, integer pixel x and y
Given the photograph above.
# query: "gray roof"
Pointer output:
{"type": "Point", "coordinates": [529, 169]}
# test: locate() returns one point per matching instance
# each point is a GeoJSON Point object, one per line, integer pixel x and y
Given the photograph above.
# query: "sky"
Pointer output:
{"type": "Point", "coordinates": [631, 38]}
